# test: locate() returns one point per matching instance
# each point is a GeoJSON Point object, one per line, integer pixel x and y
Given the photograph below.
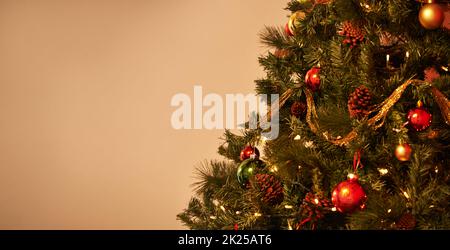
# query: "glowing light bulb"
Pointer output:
{"type": "Point", "coordinates": [352, 177]}
{"type": "Point", "coordinates": [383, 171]}
{"type": "Point", "coordinates": [406, 195]}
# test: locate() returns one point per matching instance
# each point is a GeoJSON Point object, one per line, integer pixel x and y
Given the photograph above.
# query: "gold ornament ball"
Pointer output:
{"type": "Point", "coordinates": [403, 152]}
{"type": "Point", "coordinates": [294, 20]}
{"type": "Point", "coordinates": [431, 16]}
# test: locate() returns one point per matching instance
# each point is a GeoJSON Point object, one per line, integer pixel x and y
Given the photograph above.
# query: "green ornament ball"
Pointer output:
{"type": "Point", "coordinates": [247, 169]}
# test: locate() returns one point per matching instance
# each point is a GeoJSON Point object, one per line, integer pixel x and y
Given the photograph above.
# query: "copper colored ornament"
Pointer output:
{"type": "Point", "coordinates": [312, 79]}
{"type": "Point", "coordinates": [403, 152]}
{"type": "Point", "coordinates": [431, 16]}
{"type": "Point", "coordinates": [348, 196]}
{"type": "Point", "coordinates": [419, 118]}
{"type": "Point", "coordinates": [249, 152]}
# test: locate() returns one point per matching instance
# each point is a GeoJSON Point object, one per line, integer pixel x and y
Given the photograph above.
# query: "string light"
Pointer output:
{"type": "Point", "coordinates": [444, 68]}
{"type": "Point", "coordinates": [334, 209]}
{"type": "Point", "coordinates": [257, 214]}
{"type": "Point", "coordinates": [389, 211]}
{"type": "Point", "coordinates": [223, 208]}
{"type": "Point", "coordinates": [436, 170]}
{"type": "Point", "coordinates": [288, 206]}
{"type": "Point", "coordinates": [216, 203]}
{"type": "Point", "coordinates": [406, 195]}
{"type": "Point", "coordinates": [387, 60]}
{"type": "Point", "coordinates": [297, 138]}
{"type": "Point", "coordinates": [309, 144]}
{"type": "Point", "coordinates": [396, 130]}
{"type": "Point", "coordinates": [212, 217]}
{"type": "Point", "coordinates": [407, 54]}
{"type": "Point", "coordinates": [383, 171]}
{"type": "Point", "coordinates": [238, 212]}
{"type": "Point", "coordinates": [351, 176]}
{"type": "Point", "coordinates": [316, 201]}
{"type": "Point", "coordinates": [273, 169]}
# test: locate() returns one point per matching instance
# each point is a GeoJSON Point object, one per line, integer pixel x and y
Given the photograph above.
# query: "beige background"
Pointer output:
{"type": "Point", "coordinates": [85, 89]}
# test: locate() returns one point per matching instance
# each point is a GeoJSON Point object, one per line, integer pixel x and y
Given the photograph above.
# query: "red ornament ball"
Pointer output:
{"type": "Point", "coordinates": [419, 118]}
{"type": "Point", "coordinates": [312, 79]}
{"type": "Point", "coordinates": [248, 152]}
{"type": "Point", "coordinates": [348, 196]}
{"type": "Point", "coordinates": [288, 30]}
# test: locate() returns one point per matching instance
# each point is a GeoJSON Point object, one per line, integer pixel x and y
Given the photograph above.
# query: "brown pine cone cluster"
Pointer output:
{"type": "Point", "coordinates": [298, 109]}
{"type": "Point", "coordinates": [282, 53]}
{"type": "Point", "coordinates": [270, 187]}
{"type": "Point", "coordinates": [406, 222]}
{"type": "Point", "coordinates": [359, 102]}
{"type": "Point", "coordinates": [353, 31]}
{"type": "Point", "coordinates": [313, 209]}
{"type": "Point", "coordinates": [387, 39]}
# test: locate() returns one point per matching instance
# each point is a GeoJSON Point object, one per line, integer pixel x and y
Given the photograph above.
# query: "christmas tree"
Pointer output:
{"type": "Point", "coordinates": [364, 125]}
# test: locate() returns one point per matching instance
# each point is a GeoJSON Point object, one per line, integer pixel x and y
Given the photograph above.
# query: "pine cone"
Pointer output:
{"type": "Point", "coordinates": [298, 109]}
{"type": "Point", "coordinates": [359, 102]}
{"type": "Point", "coordinates": [387, 39]}
{"type": "Point", "coordinates": [406, 222]}
{"type": "Point", "coordinates": [282, 53]}
{"type": "Point", "coordinates": [353, 31]}
{"type": "Point", "coordinates": [270, 187]}
{"type": "Point", "coordinates": [431, 74]}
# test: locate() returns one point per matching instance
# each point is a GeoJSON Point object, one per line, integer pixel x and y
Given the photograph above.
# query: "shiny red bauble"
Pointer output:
{"type": "Point", "coordinates": [288, 30]}
{"type": "Point", "coordinates": [312, 79]}
{"type": "Point", "coordinates": [348, 196]}
{"type": "Point", "coordinates": [419, 118]}
{"type": "Point", "coordinates": [403, 152]}
{"type": "Point", "coordinates": [248, 152]}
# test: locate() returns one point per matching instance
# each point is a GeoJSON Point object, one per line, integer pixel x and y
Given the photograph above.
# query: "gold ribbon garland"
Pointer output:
{"type": "Point", "coordinates": [382, 110]}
